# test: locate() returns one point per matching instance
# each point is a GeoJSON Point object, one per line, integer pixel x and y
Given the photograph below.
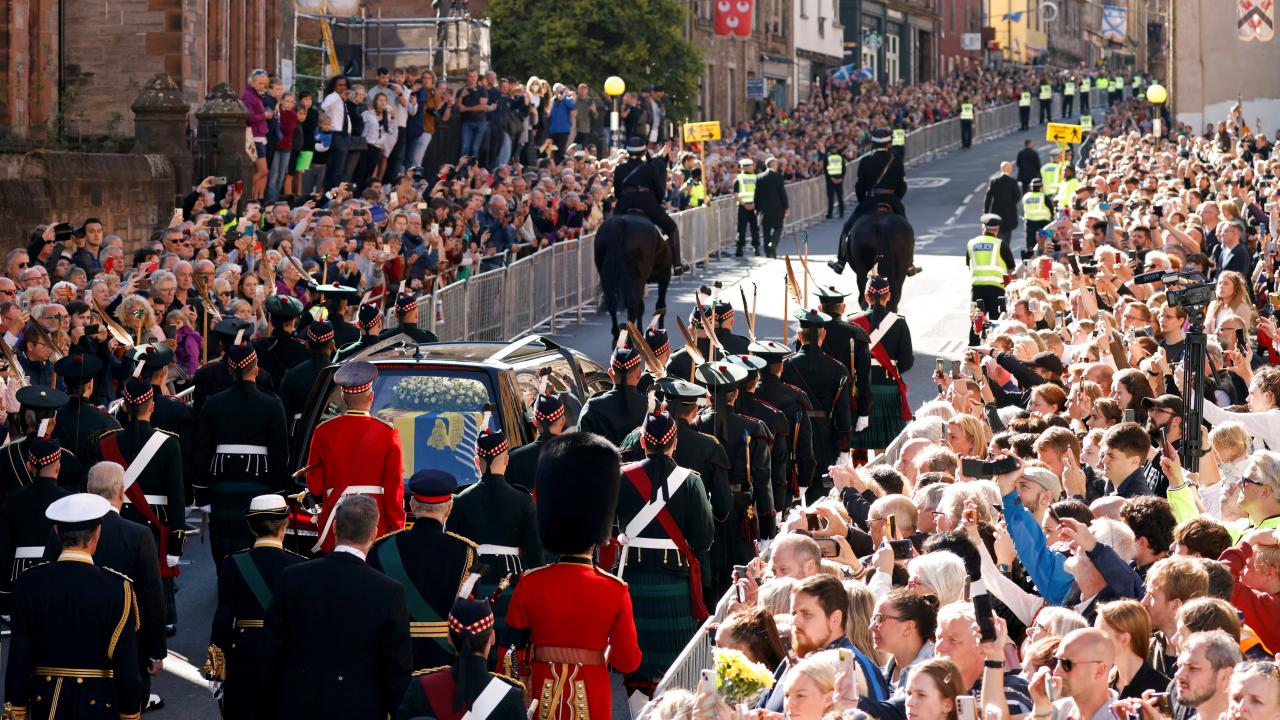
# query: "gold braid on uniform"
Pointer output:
{"type": "Point", "coordinates": [215, 664]}
{"type": "Point", "coordinates": [12, 712]}
{"type": "Point", "coordinates": [124, 618]}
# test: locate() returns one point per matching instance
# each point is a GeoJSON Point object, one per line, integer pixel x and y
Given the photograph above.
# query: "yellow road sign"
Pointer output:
{"type": "Point", "coordinates": [702, 131]}
{"type": "Point", "coordinates": [1063, 133]}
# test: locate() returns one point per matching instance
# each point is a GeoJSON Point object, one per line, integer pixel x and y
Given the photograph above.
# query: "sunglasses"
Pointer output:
{"type": "Point", "coordinates": [1246, 480]}
{"type": "Point", "coordinates": [1068, 665]}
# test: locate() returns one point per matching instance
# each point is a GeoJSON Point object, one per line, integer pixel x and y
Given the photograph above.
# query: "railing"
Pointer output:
{"type": "Point", "coordinates": [560, 283]}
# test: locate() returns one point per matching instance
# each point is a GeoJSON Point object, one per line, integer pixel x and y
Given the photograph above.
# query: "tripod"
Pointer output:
{"type": "Point", "coordinates": [1193, 386]}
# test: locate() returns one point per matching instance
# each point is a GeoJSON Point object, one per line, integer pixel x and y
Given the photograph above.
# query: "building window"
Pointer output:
{"type": "Point", "coordinates": [891, 61]}
{"type": "Point", "coordinates": [733, 96]}
{"type": "Point", "coordinates": [870, 61]}
{"type": "Point", "coordinates": [822, 27]}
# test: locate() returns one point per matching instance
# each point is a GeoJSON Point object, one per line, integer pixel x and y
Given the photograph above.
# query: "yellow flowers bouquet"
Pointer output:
{"type": "Point", "coordinates": [738, 680]}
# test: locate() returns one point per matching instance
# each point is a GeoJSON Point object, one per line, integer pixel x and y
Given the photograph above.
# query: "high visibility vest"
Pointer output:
{"type": "Point", "coordinates": [1118, 83]}
{"type": "Point", "coordinates": [966, 111]}
{"type": "Point", "coordinates": [746, 188]}
{"type": "Point", "coordinates": [1035, 208]}
{"type": "Point", "coordinates": [899, 137]}
{"type": "Point", "coordinates": [835, 165]}
{"type": "Point", "coordinates": [697, 195]}
{"type": "Point", "coordinates": [1046, 92]}
{"type": "Point", "coordinates": [1024, 100]}
{"type": "Point", "coordinates": [1086, 122]}
{"type": "Point", "coordinates": [1069, 89]}
{"type": "Point", "coordinates": [1086, 85]}
{"type": "Point", "coordinates": [1103, 83]}
{"type": "Point", "coordinates": [1137, 81]}
{"type": "Point", "coordinates": [985, 264]}
{"type": "Point", "coordinates": [1066, 190]}
{"type": "Point", "coordinates": [1049, 176]}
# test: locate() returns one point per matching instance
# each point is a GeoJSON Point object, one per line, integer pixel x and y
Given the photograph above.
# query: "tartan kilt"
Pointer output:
{"type": "Point", "coordinates": [663, 615]}
{"type": "Point", "coordinates": [228, 530]}
{"type": "Point", "coordinates": [170, 591]}
{"type": "Point", "coordinates": [886, 419]}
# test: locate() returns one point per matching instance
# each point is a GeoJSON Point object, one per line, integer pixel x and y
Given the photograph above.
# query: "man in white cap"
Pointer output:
{"type": "Point", "coordinates": [744, 188]}
{"type": "Point", "coordinates": [75, 645]}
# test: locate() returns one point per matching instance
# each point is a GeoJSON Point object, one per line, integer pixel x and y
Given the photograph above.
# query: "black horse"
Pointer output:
{"type": "Point", "coordinates": [885, 235]}
{"type": "Point", "coordinates": [630, 252]}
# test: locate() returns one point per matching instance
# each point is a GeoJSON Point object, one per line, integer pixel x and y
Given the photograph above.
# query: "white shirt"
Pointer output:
{"type": "Point", "coordinates": [336, 110]}
{"type": "Point", "coordinates": [1264, 426]}
{"type": "Point", "coordinates": [348, 549]}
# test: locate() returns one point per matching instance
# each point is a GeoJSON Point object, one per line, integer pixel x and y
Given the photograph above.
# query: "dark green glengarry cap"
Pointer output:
{"type": "Point", "coordinates": [753, 364]}
{"type": "Point", "coordinates": [769, 350]}
{"type": "Point", "coordinates": [153, 356]}
{"type": "Point", "coordinates": [675, 390]}
{"type": "Point", "coordinates": [284, 307]}
{"type": "Point", "coordinates": [829, 295]}
{"type": "Point", "coordinates": [41, 397]}
{"type": "Point", "coordinates": [812, 318]}
{"type": "Point", "coordinates": [720, 375]}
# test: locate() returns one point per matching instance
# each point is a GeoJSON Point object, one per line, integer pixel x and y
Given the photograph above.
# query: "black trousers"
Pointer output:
{"type": "Point", "coordinates": [1024, 116]}
{"type": "Point", "coordinates": [1084, 102]}
{"type": "Point", "coordinates": [748, 218]}
{"type": "Point", "coordinates": [772, 236]}
{"type": "Point", "coordinates": [1033, 227]}
{"type": "Point", "coordinates": [1046, 111]}
{"type": "Point", "coordinates": [992, 299]}
{"type": "Point", "coordinates": [1067, 102]}
{"type": "Point", "coordinates": [835, 194]}
{"type": "Point", "coordinates": [966, 133]}
{"type": "Point", "coordinates": [645, 201]}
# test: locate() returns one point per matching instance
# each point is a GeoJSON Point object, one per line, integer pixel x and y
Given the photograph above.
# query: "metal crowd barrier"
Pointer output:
{"type": "Point", "coordinates": [696, 656]}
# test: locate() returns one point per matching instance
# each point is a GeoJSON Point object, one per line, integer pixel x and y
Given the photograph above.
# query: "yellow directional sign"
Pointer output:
{"type": "Point", "coordinates": [702, 131]}
{"type": "Point", "coordinates": [1063, 133]}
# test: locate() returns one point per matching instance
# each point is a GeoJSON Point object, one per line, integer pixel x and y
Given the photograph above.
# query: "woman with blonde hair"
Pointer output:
{"type": "Point", "coordinates": [138, 318]}
{"type": "Point", "coordinates": [1231, 296]}
{"type": "Point", "coordinates": [967, 435]}
{"type": "Point", "coordinates": [1127, 625]}
{"type": "Point", "coordinates": [857, 623]}
{"type": "Point", "coordinates": [808, 693]}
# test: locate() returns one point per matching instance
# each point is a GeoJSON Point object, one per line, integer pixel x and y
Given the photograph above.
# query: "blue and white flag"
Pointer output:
{"type": "Point", "coordinates": [844, 73]}
{"type": "Point", "coordinates": [1113, 23]}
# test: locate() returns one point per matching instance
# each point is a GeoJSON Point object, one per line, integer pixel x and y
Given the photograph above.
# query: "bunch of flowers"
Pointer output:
{"type": "Point", "coordinates": [436, 394]}
{"type": "Point", "coordinates": [738, 680]}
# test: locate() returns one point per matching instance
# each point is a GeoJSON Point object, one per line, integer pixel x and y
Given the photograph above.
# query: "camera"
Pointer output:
{"type": "Point", "coordinates": [1192, 296]}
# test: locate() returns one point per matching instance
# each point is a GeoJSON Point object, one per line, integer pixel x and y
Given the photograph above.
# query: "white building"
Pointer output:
{"type": "Point", "coordinates": [819, 42]}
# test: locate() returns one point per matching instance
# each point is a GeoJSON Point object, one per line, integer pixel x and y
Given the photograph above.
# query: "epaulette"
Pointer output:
{"type": "Point", "coordinates": [510, 680]}
{"type": "Point", "coordinates": [769, 405]}
{"type": "Point", "coordinates": [384, 537]}
{"type": "Point", "coordinates": [793, 387]}
{"type": "Point", "coordinates": [459, 537]}
{"type": "Point", "coordinates": [117, 572]}
{"type": "Point", "coordinates": [611, 576]}
{"type": "Point", "coordinates": [428, 671]}
{"type": "Point", "coordinates": [540, 568]}
{"type": "Point", "coordinates": [170, 433]}
{"type": "Point", "coordinates": [708, 436]}
{"type": "Point", "coordinates": [108, 431]}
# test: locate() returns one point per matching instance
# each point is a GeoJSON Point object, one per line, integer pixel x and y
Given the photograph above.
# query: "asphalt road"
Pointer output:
{"type": "Point", "coordinates": [943, 204]}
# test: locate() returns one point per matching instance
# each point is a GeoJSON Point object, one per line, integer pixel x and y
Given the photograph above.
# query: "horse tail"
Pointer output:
{"type": "Point", "coordinates": [887, 228]}
{"type": "Point", "coordinates": [615, 272]}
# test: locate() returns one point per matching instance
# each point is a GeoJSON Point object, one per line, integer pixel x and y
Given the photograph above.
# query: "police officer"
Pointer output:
{"type": "Point", "coordinates": [1117, 89]}
{"type": "Point", "coordinates": [891, 358]}
{"type": "Point", "coordinates": [1037, 208]}
{"type": "Point", "coordinates": [247, 581]}
{"type": "Point", "coordinates": [36, 405]}
{"type": "Point", "coordinates": [216, 375]}
{"type": "Point", "coordinates": [1104, 84]}
{"type": "Point", "coordinates": [640, 183]}
{"type": "Point", "coordinates": [23, 526]}
{"type": "Point", "coordinates": [1049, 173]}
{"type": "Point", "coordinates": [882, 178]}
{"type": "Point", "coordinates": [659, 557]}
{"type": "Point", "coordinates": [794, 405]}
{"type": "Point", "coordinates": [989, 260]}
{"type": "Point", "coordinates": [617, 411]}
{"type": "Point", "coordinates": [79, 421]}
{"type": "Point", "coordinates": [356, 453]}
{"type": "Point", "coordinates": [744, 189]}
{"type": "Point", "coordinates": [746, 441]}
{"type": "Point", "coordinates": [1068, 97]}
{"type": "Point", "coordinates": [297, 382]}
{"type": "Point", "coordinates": [155, 497]}
{"type": "Point", "coordinates": [825, 381]}
{"type": "Point", "coordinates": [732, 343]}
{"type": "Point", "coordinates": [500, 519]}
{"type": "Point", "coordinates": [242, 451]}
{"type": "Point", "coordinates": [369, 322]}
{"type": "Point", "coordinates": [681, 363]}
{"type": "Point", "coordinates": [1024, 110]}
{"type": "Point", "coordinates": [549, 418]}
{"type": "Point", "coordinates": [899, 144]}
{"type": "Point", "coordinates": [74, 648]}
{"type": "Point", "coordinates": [407, 307]}
{"type": "Point", "coordinates": [849, 345]}
{"type": "Point", "coordinates": [1046, 101]}
{"type": "Point", "coordinates": [169, 414]}
{"type": "Point", "coordinates": [430, 562]}
{"type": "Point", "coordinates": [1067, 186]}
{"type": "Point", "coordinates": [835, 180]}
{"type": "Point", "coordinates": [1086, 120]}
{"type": "Point", "coordinates": [694, 189]}
{"type": "Point", "coordinates": [475, 691]}
{"type": "Point", "coordinates": [281, 351]}
{"type": "Point", "coordinates": [1086, 84]}
{"type": "Point", "coordinates": [966, 122]}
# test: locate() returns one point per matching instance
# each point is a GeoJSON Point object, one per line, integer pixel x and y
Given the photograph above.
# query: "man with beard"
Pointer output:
{"type": "Point", "coordinates": [1203, 680]}
{"type": "Point", "coordinates": [819, 605]}
{"type": "Point", "coordinates": [1164, 425]}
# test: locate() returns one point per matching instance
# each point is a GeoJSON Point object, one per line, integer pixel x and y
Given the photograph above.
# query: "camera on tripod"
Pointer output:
{"type": "Point", "coordinates": [1196, 296]}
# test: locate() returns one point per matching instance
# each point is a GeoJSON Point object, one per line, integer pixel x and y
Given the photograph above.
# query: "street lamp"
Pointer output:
{"type": "Point", "coordinates": [1157, 95]}
{"type": "Point", "coordinates": [614, 87]}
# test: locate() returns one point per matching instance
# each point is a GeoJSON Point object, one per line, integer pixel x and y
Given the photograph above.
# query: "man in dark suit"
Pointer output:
{"type": "Point", "coordinates": [1028, 162]}
{"type": "Point", "coordinates": [1003, 195]}
{"type": "Point", "coordinates": [340, 629]}
{"type": "Point", "coordinates": [771, 202]}
{"type": "Point", "coordinates": [1233, 255]}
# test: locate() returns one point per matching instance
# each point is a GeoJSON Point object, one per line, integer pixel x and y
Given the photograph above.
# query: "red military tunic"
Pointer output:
{"type": "Point", "coordinates": [573, 604]}
{"type": "Point", "coordinates": [355, 453]}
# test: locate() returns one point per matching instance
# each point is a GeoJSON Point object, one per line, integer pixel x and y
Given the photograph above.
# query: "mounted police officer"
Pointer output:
{"type": "Point", "coordinates": [794, 405]}
{"type": "Point", "coordinates": [882, 178]}
{"type": "Point", "coordinates": [1037, 208]}
{"type": "Point", "coordinates": [281, 351]}
{"type": "Point", "coordinates": [825, 381]}
{"type": "Point", "coordinates": [79, 421]}
{"type": "Point", "coordinates": [407, 309]}
{"type": "Point", "coordinates": [641, 184]}
{"type": "Point", "coordinates": [369, 322]}
{"type": "Point", "coordinates": [990, 260]}
{"type": "Point", "coordinates": [297, 382]}
{"type": "Point", "coordinates": [835, 180]}
{"type": "Point", "coordinates": [617, 411]}
{"type": "Point", "coordinates": [891, 357]}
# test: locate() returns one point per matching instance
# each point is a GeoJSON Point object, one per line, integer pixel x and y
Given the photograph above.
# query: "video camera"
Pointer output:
{"type": "Point", "coordinates": [1197, 296]}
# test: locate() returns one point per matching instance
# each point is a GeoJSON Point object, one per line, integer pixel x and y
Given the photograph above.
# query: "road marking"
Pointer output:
{"type": "Point", "coordinates": [925, 183]}
{"type": "Point", "coordinates": [980, 187]}
{"type": "Point", "coordinates": [967, 199]}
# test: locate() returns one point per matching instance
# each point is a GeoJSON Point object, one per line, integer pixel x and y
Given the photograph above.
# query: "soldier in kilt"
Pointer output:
{"type": "Point", "coordinates": [891, 358]}
{"type": "Point", "coordinates": [242, 450]}
{"type": "Point", "coordinates": [664, 523]}
{"type": "Point", "coordinates": [826, 382]}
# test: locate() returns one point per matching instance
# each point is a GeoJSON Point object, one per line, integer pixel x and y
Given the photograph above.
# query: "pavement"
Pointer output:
{"type": "Point", "coordinates": [943, 204]}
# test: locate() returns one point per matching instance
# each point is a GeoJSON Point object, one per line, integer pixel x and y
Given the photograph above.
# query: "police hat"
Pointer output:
{"type": "Point", "coordinates": [78, 369]}
{"type": "Point", "coordinates": [355, 377]}
{"type": "Point", "coordinates": [990, 220]}
{"type": "Point", "coordinates": [829, 295]}
{"type": "Point", "coordinates": [283, 307]}
{"type": "Point", "coordinates": [812, 318]}
{"type": "Point", "coordinates": [470, 617]}
{"type": "Point", "coordinates": [658, 340]}
{"type": "Point", "coordinates": [368, 316]}
{"type": "Point", "coordinates": [267, 506]}
{"type": "Point", "coordinates": [153, 356]}
{"type": "Point", "coordinates": [659, 428]}
{"type": "Point", "coordinates": [137, 392]}
{"type": "Point", "coordinates": [491, 443]}
{"type": "Point", "coordinates": [43, 452]}
{"type": "Point", "coordinates": [1036, 184]}
{"type": "Point", "coordinates": [228, 327]}
{"type": "Point", "coordinates": [719, 376]}
{"type": "Point", "coordinates": [548, 407]}
{"type": "Point", "coordinates": [81, 511]}
{"type": "Point", "coordinates": [636, 145]}
{"type": "Point", "coordinates": [40, 397]}
{"type": "Point", "coordinates": [746, 162]}
{"type": "Point", "coordinates": [769, 350]}
{"type": "Point", "coordinates": [577, 480]}
{"type": "Point", "coordinates": [433, 486]}
{"type": "Point", "coordinates": [880, 136]}
{"type": "Point", "coordinates": [681, 392]}
{"type": "Point", "coordinates": [319, 332]}
{"type": "Point", "coordinates": [241, 356]}
{"type": "Point", "coordinates": [625, 358]}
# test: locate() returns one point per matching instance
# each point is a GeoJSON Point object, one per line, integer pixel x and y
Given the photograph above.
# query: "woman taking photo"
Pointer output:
{"type": "Point", "coordinates": [902, 627]}
{"type": "Point", "coordinates": [1128, 626]}
{"type": "Point", "coordinates": [1263, 419]}
{"type": "Point", "coordinates": [380, 133]}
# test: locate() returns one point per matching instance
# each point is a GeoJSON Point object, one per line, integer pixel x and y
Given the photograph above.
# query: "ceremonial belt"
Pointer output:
{"type": "Point", "coordinates": [567, 655]}
{"type": "Point", "coordinates": [881, 355]}
{"type": "Point", "coordinates": [236, 449]}
{"type": "Point", "coordinates": [109, 447]}
{"type": "Point", "coordinates": [424, 621]}
{"type": "Point", "coordinates": [253, 578]}
{"type": "Point", "coordinates": [882, 191]}
{"type": "Point", "coordinates": [652, 544]}
{"type": "Point", "coordinates": [647, 513]}
{"type": "Point", "coordinates": [348, 490]}
{"type": "Point", "coordinates": [28, 552]}
{"type": "Point", "coordinates": [152, 499]}
{"type": "Point", "coordinates": [62, 672]}
{"type": "Point", "coordinates": [636, 474]}
{"type": "Point", "coordinates": [497, 550]}
{"type": "Point", "coordinates": [250, 624]}
{"type": "Point", "coordinates": [488, 700]}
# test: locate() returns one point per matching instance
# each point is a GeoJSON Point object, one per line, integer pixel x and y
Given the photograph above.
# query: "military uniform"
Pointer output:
{"type": "Point", "coordinates": [74, 648]}
{"type": "Point", "coordinates": [749, 405]}
{"type": "Point", "coordinates": [732, 344]}
{"type": "Point", "coordinates": [795, 406]}
{"type": "Point", "coordinates": [14, 472]}
{"type": "Point", "coordinates": [280, 351]}
{"type": "Point", "coordinates": [297, 382]}
{"type": "Point", "coordinates": [848, 344]}
{"type": "Point", "coordinates": [431, 564]}
{"type": "Point", "coordinates": [892, 357]}
{"type": "Point", "coordinates": [614, 413]}
{"type": "Point", "coordinates": [681, 363]}
{"type": "Point", "coordinates": [247, 581]}
{"type": "Point", "coordinates": [825, 381]}
{"type": "Point", "coordinates": [660, 554]}
{"type": "Point", "coordinates": [214, 376]}
{"type": "Point", "coordinates": [523, 463]}
{"type": "Point", "coordinates": [369, 322]}
{"type": "Point", "coordinates": [407, 313]}
{"type": "Point", "coordinates": [242, 451]}
{"type": "Point", "coordinates": [640, 184]}
{"type": "Point", "coordinates": [881, 178]}
{"type": "Point", "coordinates": [79, 421]}
{"type": "Point", "coordinates": [23, 525]}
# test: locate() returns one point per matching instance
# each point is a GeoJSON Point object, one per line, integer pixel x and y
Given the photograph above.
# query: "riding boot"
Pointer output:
{"type": "Point", "coordinates": [678, 265]}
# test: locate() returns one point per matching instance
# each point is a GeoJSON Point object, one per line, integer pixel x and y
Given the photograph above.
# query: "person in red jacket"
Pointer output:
{"type": "Point", "coordinates": [356, 454]}
{"type": "Point", "coordinates": [1255, 564]}
{"type": "Point", "coordinates": [572, 620]}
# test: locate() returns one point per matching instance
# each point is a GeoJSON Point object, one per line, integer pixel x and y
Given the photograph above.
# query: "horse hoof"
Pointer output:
{"type": "Point", "coordinates": [913, 270]}
{"type": "Point", "coordinates": [837, 266]}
